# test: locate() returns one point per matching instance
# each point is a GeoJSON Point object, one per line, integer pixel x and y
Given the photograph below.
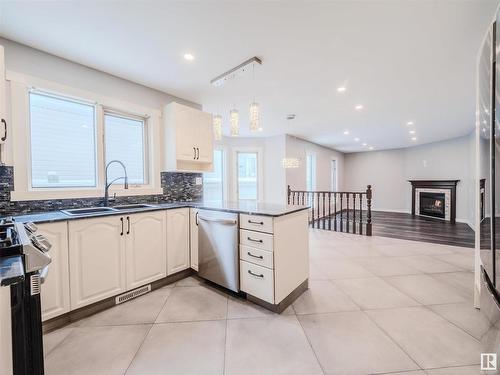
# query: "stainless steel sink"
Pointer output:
{"type": "Point", "coordinates": [87, 211]}
{"type": "Point", "coordinates": [133, 206]}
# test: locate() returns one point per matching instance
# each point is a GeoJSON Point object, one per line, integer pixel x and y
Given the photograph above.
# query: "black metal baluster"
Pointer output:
{"type": "Point", "coordinates": [361, 213]}
{"type": "Point", "coordinates": [347, 222]}
{"type": "Point", "coordinates": [329, 211]}
{"type": "Point", "coordinates": [335, 211]}
{"type": "Point", "coordinates": [341, 213]}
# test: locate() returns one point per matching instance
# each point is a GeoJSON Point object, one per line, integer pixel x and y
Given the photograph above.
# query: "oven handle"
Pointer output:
{"type": "Point", "coordinates": [220, 221]}
{"type": "Point", "coordinates": [43, 274]}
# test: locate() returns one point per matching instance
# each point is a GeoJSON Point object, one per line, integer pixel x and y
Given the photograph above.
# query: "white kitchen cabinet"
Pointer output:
{"type": "Point", "coordinates": [188, 139]}
{"type": "Point", "coordinates": [3, 115]}
{"type": "Point", "coordinates": [55, 290]}
{"type": "Point", "coordinates": [97, 259]}
{"type": "Point", "coordinates": [146, 247]}
{"type": "Point", "coordinates": [193, 238]}
{"type": "Point", "coordinates": [177, 240]}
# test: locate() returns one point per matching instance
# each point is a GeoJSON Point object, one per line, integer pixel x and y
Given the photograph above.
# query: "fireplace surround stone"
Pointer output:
{"type": "Point", "coordinates": [446, 187]}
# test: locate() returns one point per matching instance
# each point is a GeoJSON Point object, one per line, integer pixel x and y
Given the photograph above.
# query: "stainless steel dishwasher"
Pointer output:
{"type": "Point", "coordinates": [218, 258]}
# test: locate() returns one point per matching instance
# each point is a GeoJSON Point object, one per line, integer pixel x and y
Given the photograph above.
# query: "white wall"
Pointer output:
{"type": "Point", "coordinates": [296, 177]}
{"type": "Point", "coordinates": [389, 171]}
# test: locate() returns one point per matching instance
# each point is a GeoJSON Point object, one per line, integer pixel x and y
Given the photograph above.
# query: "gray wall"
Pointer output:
{"type": "Point", "coordinates": [388, 172]}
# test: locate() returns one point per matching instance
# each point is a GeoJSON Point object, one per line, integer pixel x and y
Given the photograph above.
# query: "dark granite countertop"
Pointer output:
{"type": "Point", "coordinates": [243, 207]}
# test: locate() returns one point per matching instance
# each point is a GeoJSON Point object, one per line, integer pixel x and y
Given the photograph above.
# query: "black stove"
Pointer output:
{"type": "Point", "coordinates": [24, 262]}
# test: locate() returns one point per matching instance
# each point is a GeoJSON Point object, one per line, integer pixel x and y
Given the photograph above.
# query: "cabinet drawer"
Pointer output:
{"type": "Point", "coordinates": [257, 281]}
{"type": "Point", "coordinates": [256, 239]}
{"type": "Point", "coordinates": [259, 223]}
{"type": "Point", "coordinates": [256, 256]}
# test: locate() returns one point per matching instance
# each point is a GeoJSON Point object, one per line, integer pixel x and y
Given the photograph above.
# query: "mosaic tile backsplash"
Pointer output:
{"type": "Point", "coordinates": [177, 187]}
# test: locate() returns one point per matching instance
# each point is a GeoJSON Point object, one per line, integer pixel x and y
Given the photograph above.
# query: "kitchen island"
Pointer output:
{"type": "Point", "coordinates": [148, 247]}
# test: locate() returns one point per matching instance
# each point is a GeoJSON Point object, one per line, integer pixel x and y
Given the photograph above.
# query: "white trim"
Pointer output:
{"type": "Point", "coordinates": [260, 170]}
{"type": "Point", "coordinates": [401, 211]}
{"type": "Point", "coordinates": [20, 86]}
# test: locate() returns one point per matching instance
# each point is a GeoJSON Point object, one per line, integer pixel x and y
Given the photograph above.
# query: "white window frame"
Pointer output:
{"type": "Point", "coordinates": [260, 171]}
{"type": "Point", "coordinates": [314, 168]}
{"type": "Point", "coordinates": [20, 84]}
{"type": "Point", "coordinates": [224, 172]}
{"type": "Point", "coordinates": [335, 184]}
{"type": "Point", "coordinates": [145, 138]}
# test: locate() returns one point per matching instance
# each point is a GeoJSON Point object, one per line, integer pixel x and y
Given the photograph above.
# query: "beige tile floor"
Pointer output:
{"type": "Point", "coordinates": [375, 306]}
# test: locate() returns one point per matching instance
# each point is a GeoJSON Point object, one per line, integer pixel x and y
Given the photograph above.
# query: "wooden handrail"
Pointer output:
{"type": "Point", "coordinates": [323, 205]}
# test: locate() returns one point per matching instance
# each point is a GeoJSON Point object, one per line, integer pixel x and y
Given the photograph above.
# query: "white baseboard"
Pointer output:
{"type": "Point", "coordinates": [391, 210]}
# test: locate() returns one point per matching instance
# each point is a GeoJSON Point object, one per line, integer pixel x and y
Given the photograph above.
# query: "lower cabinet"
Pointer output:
{"type": "Point", "coordinates": [55, 290]}
{"type": "Point", "coordinates": [97, 259]}
{"type": "Point", "coordinates": [177, 240]}
{"type": "Point", "coordinates": [193, 238]}
{"type": "Point", "coordinates": [146, 245]}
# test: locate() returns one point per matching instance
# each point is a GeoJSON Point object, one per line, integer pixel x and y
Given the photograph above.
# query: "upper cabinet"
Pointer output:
{"type": "Point", "coordinates": [3, 116]}
{"type": "Point", "coordinates": [188, 139]}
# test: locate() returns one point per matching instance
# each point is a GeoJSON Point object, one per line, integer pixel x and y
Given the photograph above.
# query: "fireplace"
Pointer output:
{"type": "Point", "coordinates": [432, 204]}
{"type": "Point", "coordinates": [434, 198]}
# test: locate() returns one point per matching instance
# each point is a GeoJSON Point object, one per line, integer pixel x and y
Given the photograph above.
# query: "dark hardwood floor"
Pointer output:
{"type": "Point", "coordinates": [417, 228]}
{"type": "Point", "coordinates": [407, 227]}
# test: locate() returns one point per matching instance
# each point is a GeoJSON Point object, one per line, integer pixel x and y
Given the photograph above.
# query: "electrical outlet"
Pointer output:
{"type": "Point", "coordinates": [198, 181]}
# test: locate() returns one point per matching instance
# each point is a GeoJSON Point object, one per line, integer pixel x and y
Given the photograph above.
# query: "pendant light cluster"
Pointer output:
{"type": "Point", "coordinates": [234, 116]}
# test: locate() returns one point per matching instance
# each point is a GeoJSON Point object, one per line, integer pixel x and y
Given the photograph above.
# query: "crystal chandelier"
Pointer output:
{"type": "Point", "coordinates": [254, 117]}
{"type": "Point", "coordinates": [290, 163]}
{"type": "Point", "coordinates": [234, 118]}
{"type": "Point", "coordinates": [217, 122]}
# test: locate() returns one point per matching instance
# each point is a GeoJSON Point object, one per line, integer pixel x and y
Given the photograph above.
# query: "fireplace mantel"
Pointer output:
{"type": "Point", "coordinates": [436, 184]}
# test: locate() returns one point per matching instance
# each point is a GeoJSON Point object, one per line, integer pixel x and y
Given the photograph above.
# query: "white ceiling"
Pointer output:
{"type": "Point", "coordinates": [403, 60]}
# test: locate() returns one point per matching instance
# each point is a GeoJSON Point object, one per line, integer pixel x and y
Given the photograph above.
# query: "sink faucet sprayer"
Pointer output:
{"type": "Point", "coordinates": [107, 185]}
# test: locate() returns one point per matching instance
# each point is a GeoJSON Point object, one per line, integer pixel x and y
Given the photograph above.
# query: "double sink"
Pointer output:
{"type": "Point", "coordinates": [97, 210]}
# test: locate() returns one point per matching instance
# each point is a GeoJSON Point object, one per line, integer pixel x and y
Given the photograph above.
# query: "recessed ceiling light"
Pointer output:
{"type": "Point", "coordinates": [290, 116]}
{"type": "Point", "coordinates": [409, 123]}
{"type": "Point", "coordinates": [370, 148]}
{"type": "Point", "coordinates": [364, 144]}
{"type": "Point", "coordinates": [356, 139]}
{"type": "Point", "coordinates": [188, 57]}
{"type": "Point", "coordinates": [359, 107]}
{"type": "Point", "coordinates": [412, 132]}
{"type": "Point", "coordinates": [346, 132]}
{"type": "Point", "coordinates": [413, 138]}
{"type": "Point", "coordinates": [341, 89]}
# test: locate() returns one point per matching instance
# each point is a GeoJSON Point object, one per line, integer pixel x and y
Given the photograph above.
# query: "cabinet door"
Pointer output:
{"type": "Point", "coordinates": [204, 137]}
{"type": "Point", "coordinates": [186, 133]}
{"type": "Point", "coordinates": [96, 259]}
{"type": "Point", "coordinates": [146, 248]}
{"type": "Point", "coordinates": [55, 289]}
{"type": "Point", "coordinates": [3, 124]}
{"type": "Point", "coordinates": [177, 240]}
{"type": "Point", "coordinates": [193, 238]}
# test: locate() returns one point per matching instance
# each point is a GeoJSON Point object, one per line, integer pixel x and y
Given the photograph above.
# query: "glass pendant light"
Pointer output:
{"type": "Point", "coordinates": [234, 119]}
{"type": "Point", "coordinates": [254, 118]}
{"type": "Point", "coordinates": [254, 110]}
{"type": "Point", "coordinates": [217, 123]}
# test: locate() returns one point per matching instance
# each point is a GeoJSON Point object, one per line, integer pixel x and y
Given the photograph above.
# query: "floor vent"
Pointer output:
{"type": "Point", "coordinates": [132, 294]}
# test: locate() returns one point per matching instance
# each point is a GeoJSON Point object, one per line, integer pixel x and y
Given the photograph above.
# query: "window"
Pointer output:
{"type": "Point", "coordinates": [334, 175]}
{"type": "Point", "coordinates": [247, 175]}
{"type": "Point", "coordinates": [311, 172]}
{"type": "Point", "coordinates": [124, 141]}
{"type": "Point", "coordinates": [213, 182]}
{"type": "Point", "coordinates": [63, 146]}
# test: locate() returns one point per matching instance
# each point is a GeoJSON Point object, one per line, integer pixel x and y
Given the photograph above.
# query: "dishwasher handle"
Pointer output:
{"type": "Point", "coordinates": [219, 221]}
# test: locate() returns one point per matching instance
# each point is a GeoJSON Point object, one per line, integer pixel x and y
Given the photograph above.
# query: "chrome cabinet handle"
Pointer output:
{"type": "Point", "coordinates": [197, 149]}
{"type": "Point", "coordinates": [194, 150]}
{"type": "Point", "coordinates": [121, 219]}
{"type": "Point", "coordinates": [5, 130]}
{"type": "Point", "coordinates": [254, 274]}
{"type": "Point", "coordinates": [256, 222]}
{"type": "Point", "coordinates": [196, 218]}
{"type": "Point", "coordinates": [251, 239]}
{"type": "Point", "coordinates": [255, 256]}
{"type": "Point", "coordinates": [128, 224]}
